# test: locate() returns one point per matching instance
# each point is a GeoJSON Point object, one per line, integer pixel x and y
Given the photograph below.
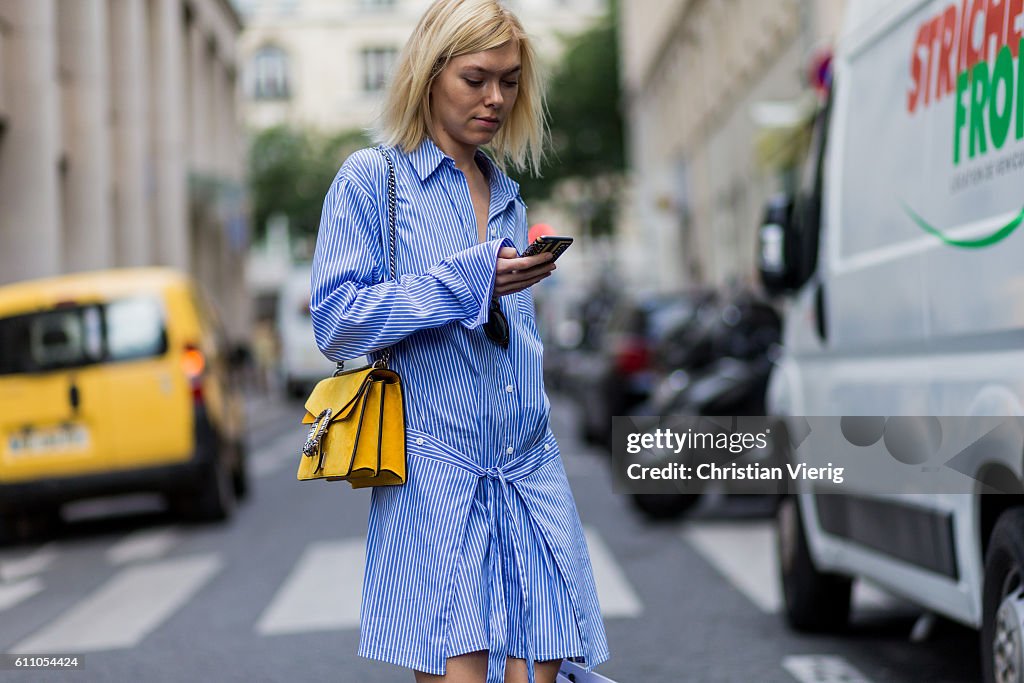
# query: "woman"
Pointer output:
{"type": "Point", "coordinates": [480, 555]}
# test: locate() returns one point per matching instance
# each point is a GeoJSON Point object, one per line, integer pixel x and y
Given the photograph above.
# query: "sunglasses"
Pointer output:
{"type": "Point", "coordinates": [496, 327]}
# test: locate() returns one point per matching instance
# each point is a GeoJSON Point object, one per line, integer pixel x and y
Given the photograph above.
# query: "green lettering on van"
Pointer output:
{"type": "Point", "coordinates": [962, 83]}
{"type": "Point", "coordinates": [1020, 89]}
{"type": "Point", "coordinates": [986, 241]}
{"type": "Point", "coordinates": [979, 98]}
{"type": "Point", "coordinates": [1000, 122]}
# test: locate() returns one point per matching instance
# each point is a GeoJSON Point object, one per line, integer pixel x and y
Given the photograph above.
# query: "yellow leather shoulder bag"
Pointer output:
{"type": "Point", "coordinates": [356, 418]}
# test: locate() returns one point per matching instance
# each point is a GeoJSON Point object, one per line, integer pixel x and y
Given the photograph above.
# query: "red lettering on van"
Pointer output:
{"type": "Point", "coordinates": [975, 53]}
{"type": "Point", "coordinates": [961, 63]}
{"type": "Point", "coordinates": [1015, 25]}
{"type": "Point", "coordinates": [917, 71]}
{"type": "Point", "coordinates": [995, 29]}
{"type": "Point", "coordinates": [946, 73]}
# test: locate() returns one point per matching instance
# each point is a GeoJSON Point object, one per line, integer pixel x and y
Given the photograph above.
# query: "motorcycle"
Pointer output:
{"type": "Point", "coordinates": [729, 364]}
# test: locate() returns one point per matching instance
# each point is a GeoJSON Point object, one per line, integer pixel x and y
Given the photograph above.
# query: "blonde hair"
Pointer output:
{"type": "Point", "coordinates": [448, 29]}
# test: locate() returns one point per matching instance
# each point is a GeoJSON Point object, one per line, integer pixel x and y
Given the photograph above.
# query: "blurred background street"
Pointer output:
{"type": "Point", "coordinates": [163, 165]}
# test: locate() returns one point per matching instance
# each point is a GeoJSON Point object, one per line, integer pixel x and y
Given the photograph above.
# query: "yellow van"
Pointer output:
{"type": "Point", "coordinates": [113, 382]}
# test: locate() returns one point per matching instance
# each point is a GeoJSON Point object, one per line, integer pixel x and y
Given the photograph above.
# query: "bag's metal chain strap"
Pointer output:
{"type": "Point", "coordinates": [386, 356]}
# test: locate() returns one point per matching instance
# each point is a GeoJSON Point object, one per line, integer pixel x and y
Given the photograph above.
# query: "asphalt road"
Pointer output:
{"type": "Point", "coordinates": [273, 595]}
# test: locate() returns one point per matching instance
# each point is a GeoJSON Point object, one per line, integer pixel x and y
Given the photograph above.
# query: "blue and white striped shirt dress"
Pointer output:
{"type": "Point", "coordinates": [482, 547]}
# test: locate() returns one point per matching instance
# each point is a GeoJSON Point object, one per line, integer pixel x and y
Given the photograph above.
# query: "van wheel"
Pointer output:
{"type": "Point", "coordinates": [1002, 658]}
{"type": "Point", "coordinates": [814, 601]}
{"type": "Point", "coordinates": [664, 506]}
{"type": "Point", "coordinates": [213, 498]}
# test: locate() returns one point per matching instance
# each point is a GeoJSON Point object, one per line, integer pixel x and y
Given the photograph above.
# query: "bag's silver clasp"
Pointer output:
{"type": "Point", "coordinates": [316, 434]}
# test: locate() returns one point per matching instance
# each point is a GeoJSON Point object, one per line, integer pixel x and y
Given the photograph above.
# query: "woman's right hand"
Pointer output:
{"type": "Point", "coordinates": [514, 272]}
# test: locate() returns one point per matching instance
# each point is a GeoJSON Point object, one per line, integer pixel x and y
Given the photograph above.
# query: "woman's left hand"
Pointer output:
{"type": "Point", "coordinates": [514, 273]}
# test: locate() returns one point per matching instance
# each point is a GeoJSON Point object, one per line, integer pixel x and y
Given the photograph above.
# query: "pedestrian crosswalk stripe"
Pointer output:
{"type": "Point", "coordinates": [744, 553]}
{"type": "Point", "coordinates": [18, 591]}
{"type": "Point", "coordinates": [36, 562]}
{"type": "Point", "coordinates": [323, 591]}
{"type": "Point", "coordinates": [302, 604]}
{"type": "Point", "coordinates": [614, 592]}
{"type": "Point", "coordinates": [145, 544]}
{"type": "Point", "coordinates": [822, 669]}
{"type": "Point", "coordinates": [128, 607]}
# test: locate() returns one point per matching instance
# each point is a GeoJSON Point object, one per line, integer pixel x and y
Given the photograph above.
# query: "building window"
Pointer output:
{"type": "Point", "coordinates": [268, 79]}
{"type": "Point", "coordinates": [377, 63]}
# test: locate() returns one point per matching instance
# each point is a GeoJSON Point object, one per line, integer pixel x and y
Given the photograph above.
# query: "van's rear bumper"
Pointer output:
{"type": "Point", "coordinates": [35, 494]}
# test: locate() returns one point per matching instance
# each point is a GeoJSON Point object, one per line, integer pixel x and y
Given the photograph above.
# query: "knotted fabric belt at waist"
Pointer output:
{"type": "Point", "coordinates": [504, 534]}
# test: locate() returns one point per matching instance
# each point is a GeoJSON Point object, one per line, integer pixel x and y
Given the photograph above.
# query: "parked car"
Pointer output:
{"type": "Point", "coordinates": [910, 308]}
{"type": "Point", "coordinates": [114, 382]}
{"type": "Point", "coordinates": [619, 372]}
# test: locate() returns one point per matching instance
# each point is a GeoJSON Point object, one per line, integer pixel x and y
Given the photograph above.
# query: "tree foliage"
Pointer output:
{"type": "Point", "coordinates": [290, 171]}
{"type": "Point", "coordinates": [586, 121]}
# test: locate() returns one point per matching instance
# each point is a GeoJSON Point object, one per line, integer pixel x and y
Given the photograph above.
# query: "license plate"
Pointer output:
{"type": "Point", "coordinates": [66, 438]}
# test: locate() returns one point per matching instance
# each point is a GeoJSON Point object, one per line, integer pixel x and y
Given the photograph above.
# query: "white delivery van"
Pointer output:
{"type": "Point", "coordinates": [302, 363]}
{"type": "Point", "coordinates": [903, 256]}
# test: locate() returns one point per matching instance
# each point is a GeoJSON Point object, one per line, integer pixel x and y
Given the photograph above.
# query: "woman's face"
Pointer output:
{"type": "Point", "coordinates": [471, 98]}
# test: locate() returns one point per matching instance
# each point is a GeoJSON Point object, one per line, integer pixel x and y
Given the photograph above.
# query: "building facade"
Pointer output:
{"type": "Point", "coordinates": [120, 143]}
{"type": "Point", "coordinates": [324, 63]}
{"type": "Point", "coordinates": [703, 81]}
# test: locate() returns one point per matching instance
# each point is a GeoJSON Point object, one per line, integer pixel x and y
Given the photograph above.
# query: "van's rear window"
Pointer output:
{"type": "Point", "coordinates": [74, 336]}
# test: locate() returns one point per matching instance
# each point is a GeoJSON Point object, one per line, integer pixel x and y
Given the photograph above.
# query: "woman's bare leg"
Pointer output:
{"type": "Point", "coordinates": [468, 668]}
{"type": "Point", "coordinates": [472, 668]}
{"type": "Point", "coordinates": [543, 672]}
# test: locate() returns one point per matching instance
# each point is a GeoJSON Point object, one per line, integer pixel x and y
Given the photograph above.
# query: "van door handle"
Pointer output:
{"type": "Point", "coordinates": [819, 311]}
{"type": "Point", "coordinates": [73, 397]}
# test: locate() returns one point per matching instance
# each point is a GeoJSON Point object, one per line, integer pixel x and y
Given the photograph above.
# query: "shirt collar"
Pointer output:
{"type": "Point", "coordinates": [428, 156]}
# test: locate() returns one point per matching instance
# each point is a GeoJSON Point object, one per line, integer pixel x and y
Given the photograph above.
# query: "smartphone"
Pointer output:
{"type": "Point", "coordinates": [556, 245]}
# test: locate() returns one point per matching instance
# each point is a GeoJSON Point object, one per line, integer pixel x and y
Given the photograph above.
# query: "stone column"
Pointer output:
{"type": "Point", "coordinates": [214, 100]}
{"type": "Point", "coordinates": [199, 97]}
{"type": "Point", "coordinates": [30, 226]}
{"type": "Point", "coordinates": [133, 175]}
{"type": "Point", "coordinates": [169, 140]}
{"type": "Point", "coordinates": [88, 228]}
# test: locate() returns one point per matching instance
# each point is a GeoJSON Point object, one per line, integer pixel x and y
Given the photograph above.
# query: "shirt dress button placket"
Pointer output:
{"type": "Point", "coordinates": [513, 422]}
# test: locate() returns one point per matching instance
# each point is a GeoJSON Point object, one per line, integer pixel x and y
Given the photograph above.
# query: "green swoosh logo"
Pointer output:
{"type": "Point", "coordinates": [986, 241]}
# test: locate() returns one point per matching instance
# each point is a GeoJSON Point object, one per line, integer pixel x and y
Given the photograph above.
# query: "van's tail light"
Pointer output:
{"type": "Point", "coordinates": [193, 363]}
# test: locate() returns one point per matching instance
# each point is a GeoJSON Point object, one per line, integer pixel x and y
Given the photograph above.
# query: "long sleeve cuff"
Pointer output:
{"type": "Point", "coordinates": [470, 276]}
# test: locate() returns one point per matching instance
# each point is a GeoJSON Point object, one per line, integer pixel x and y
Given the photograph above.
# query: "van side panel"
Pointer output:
{"type": "Point", "coordinates": [921, 263]}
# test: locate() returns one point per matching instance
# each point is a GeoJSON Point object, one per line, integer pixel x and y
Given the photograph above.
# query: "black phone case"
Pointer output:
{"type": "Point", "coordinates": [543, 245]}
